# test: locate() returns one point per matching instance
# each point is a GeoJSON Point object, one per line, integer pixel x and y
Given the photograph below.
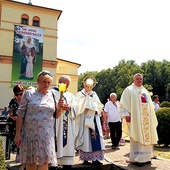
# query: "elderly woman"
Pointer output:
{"type": "Point", "coordinates": [35, 125]}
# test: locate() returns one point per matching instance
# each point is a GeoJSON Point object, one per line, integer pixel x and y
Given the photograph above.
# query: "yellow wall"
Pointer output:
{"type": "Point", "coordinates": [10, 15]}
{"type": "Point", "coordinates": [71, 69]}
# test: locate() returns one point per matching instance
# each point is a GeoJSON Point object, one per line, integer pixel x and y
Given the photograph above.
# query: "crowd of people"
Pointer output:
{"type": "Point", "coordinates": [51, 124]}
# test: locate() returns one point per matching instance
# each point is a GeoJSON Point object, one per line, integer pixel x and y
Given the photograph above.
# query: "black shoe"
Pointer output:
{"type": "Point", "coordinates": [141, 164]}
{"type": "Point", "coordinates": [138, 164]}
{"type": "Point", "coordinates": [55, 168]}
{"type": "Point", "coordinates": [97, 163]}
{"type": "Point", "coordinates": [154, 157]}
{"type": "Point", "coordinates": [115, 147]}
{"type": "Point", "coordinates": [52, 168]}
{"type": "Point", "coordinates": [59, 167]}
{"type": "Point", "coordinates": [67, 167]}
{"type": "Point", "coordinates": [146, 163]}
{"type": "Point", "coordinates": [86, 163]}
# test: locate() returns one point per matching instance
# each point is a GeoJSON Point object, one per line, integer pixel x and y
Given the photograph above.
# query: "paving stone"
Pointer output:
{"type": "Point", "coordinates": [116, 159]}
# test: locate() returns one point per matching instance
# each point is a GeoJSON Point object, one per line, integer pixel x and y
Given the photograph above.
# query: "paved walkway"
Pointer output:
{"type": "Point", "coordinates": [114, 160]}
{"type": "Point", "coordinates": [120, 159]}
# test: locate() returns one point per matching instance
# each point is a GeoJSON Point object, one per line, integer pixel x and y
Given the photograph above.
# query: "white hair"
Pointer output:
{"type": "Point", "coordinates": [113, 94]}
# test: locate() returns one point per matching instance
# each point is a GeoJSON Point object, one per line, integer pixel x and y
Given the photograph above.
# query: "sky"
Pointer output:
{"type": "Point", "coordinates": [98, 34]}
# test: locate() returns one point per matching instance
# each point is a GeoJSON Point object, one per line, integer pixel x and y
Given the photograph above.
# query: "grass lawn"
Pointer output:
{"type": "Point", "coordinates": [162, 152]}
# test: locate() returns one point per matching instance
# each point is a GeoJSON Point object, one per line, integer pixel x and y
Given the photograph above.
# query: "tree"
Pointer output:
{"type": "Point", "coordinates": [156, 78]}
{"type": "Point", "coordinates": [106, 84]}
{"type": "Point", "coordinates": [124, 75]}
{"type": "Point", "coordinates": [82, 76]}
{"type": "Point", "coordinates": [157, 75]}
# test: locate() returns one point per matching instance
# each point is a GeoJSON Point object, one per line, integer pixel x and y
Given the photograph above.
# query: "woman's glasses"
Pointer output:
{"type": "Point", "coordinates": [18, 94]}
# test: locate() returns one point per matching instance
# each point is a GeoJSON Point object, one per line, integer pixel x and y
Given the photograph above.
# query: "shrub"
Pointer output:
{"type": "Point", "coordinates": [2, 158]}
{"type": "Point", "coordinates": [163, 129]}
{"type": "Point", "coordinates": [165, 104]}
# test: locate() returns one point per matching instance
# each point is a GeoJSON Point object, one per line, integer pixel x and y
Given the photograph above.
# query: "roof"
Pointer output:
{"type": "Point", "coordinates": [69, 61]}
{"type": "Point", "coordinates": [36, 6]}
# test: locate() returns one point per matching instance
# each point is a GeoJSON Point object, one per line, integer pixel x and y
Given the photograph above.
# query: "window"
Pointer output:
{"type": "Point", "coordinates": [24, 19]}
{"type": "Point", "coordinates": [36, 21]}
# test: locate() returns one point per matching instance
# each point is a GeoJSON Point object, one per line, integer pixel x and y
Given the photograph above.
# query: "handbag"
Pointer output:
{"type": "Point", "coordinates": [54, 115]}
{"type": "Point", "coordinates": [55, 112]}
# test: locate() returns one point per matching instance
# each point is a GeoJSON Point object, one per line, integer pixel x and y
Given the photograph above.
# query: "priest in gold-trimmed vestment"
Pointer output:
{"type": "Point", "coordinates": [139, 121]}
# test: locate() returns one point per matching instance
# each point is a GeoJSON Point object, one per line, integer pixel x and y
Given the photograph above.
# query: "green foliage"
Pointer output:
{"type": "Point", "coordinates": [148, 87]}
{"type": "Point", "coordinates": [165, 104]}
{"type": "Point", "coordinates": [2, 159]}
{"type": "Point", "coordinates": [157, 74]}
{"type": "Point", "coordinates": [105, 84]}
{"type": "Point", "coordinates": [82, 76]}
{"type": "Point", "coordinates": [156, 78]}
{"type": "Point", "coordinates": [124, 73]}
{"type": "Point", "coordinates": [163, 129]}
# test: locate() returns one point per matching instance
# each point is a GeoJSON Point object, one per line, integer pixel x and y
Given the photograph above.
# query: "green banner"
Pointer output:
{"type": "Point", "coordinates": [27, 55]}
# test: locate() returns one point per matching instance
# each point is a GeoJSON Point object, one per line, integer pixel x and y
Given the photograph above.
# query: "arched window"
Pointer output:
{"type": "Point", "coordinates": [24, 19]}
{"type": "Point", "coordinates": [36, 21]}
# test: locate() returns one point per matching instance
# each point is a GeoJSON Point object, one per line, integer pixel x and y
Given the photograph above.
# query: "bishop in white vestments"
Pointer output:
{"type": "Point", "coordinates": [89, 137]}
